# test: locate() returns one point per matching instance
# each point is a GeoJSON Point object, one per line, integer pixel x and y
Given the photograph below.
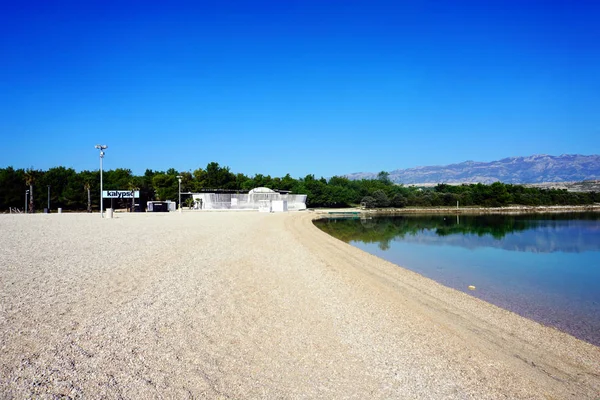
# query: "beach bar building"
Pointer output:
{"type": "Point", "coordinates": [259, 199]}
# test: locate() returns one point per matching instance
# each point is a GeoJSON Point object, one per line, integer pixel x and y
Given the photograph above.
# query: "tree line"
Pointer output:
{"type": "Point", "coordinates": [79, 191]}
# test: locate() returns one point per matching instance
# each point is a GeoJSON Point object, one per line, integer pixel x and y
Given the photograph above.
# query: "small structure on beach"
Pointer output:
{"type": "Point", "coordinates": [259, 198]}
{"type": "Point", "coordinates": [161, 206]}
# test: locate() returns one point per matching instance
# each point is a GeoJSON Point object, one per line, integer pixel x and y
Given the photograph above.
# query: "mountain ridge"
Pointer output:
{"type": "Point", "coordinates": [537, 168]}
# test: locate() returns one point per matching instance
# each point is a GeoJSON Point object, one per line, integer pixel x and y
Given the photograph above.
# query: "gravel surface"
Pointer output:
{"type": "Point", "coordinates": [252, 305]}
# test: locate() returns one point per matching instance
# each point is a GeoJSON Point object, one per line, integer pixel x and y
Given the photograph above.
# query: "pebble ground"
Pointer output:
{"type": "Point", "coordinates": [230, 305]}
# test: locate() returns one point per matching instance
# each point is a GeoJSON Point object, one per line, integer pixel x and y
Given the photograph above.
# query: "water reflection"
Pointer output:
{"type": "Point", "coordinates": [569, 232]}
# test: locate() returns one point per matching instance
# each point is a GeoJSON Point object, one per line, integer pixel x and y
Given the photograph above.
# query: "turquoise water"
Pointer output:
{"type": "Point", "coordinates": [544, 267]}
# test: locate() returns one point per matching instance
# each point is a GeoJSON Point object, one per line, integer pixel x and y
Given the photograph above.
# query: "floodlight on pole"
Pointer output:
{"type": "Point", "coordinates": [101, 147]}
{"type": "Point", "coordinates": [179, 179]}
{"type": "Point", "coordinates": [26, 193]}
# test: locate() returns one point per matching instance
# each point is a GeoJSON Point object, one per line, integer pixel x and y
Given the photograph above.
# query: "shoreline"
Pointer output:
{"type": "Point", "coordinates": [539, 347]}
{"type": "Point", "coordinates": [576, 317]}
{"type": "Point", "coordinates": [253, 305]}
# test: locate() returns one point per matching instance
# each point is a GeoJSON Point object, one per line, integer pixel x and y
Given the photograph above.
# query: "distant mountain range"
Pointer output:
{"type": "Point", "coordinates": [533, 169]}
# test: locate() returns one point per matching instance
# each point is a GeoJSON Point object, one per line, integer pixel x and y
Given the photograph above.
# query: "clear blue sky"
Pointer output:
{"type": "Point", "coordinates": [323, 87]}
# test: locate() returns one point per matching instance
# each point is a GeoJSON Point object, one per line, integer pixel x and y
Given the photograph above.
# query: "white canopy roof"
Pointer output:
{"type": "Point", "coordinates": [261, 190]}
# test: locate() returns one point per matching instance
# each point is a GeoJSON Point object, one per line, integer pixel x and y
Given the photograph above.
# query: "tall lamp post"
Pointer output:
{"type": "Point", "coordinates": [26, 193]}
{"type": "Point", "coordinates": [48, 199]}
{"type": "Point", "coordinates": [179, 179]}
{"type": "Point", "coordinates": [101, 147]}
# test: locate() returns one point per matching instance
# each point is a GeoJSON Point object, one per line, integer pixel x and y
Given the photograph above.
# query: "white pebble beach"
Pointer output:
{"type": "Point", "coordinates": [238, 305]}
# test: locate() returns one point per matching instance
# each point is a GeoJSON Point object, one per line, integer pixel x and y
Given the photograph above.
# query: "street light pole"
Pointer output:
{"type": "Point", "coordinates": [26, 193]}
{"type": "Point", "coordinates": [101, 147]}
{"type": "Point", "coordinates": [179, 179]}
{"type": "Point", "coordinates": [48, 199]}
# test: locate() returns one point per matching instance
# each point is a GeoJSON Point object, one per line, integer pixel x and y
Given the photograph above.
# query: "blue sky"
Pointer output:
{"type": "Point", "coordinates": [299, 87]}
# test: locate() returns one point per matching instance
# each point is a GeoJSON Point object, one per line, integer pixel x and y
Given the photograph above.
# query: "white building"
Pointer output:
{"type": "Point", "coordinates": [254, 200]}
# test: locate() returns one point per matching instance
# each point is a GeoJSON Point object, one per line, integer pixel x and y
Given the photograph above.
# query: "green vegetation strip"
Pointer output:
{"type": "Point", "coordinates": [77, 191]}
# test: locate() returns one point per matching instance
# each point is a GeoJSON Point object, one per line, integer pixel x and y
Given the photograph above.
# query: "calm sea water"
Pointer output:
{"type": "Point", "coordinates": [543, 267]}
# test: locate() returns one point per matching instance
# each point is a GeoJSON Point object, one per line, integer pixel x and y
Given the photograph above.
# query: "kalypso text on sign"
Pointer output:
{"type": "Point", "coordinates": [120, 194]}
